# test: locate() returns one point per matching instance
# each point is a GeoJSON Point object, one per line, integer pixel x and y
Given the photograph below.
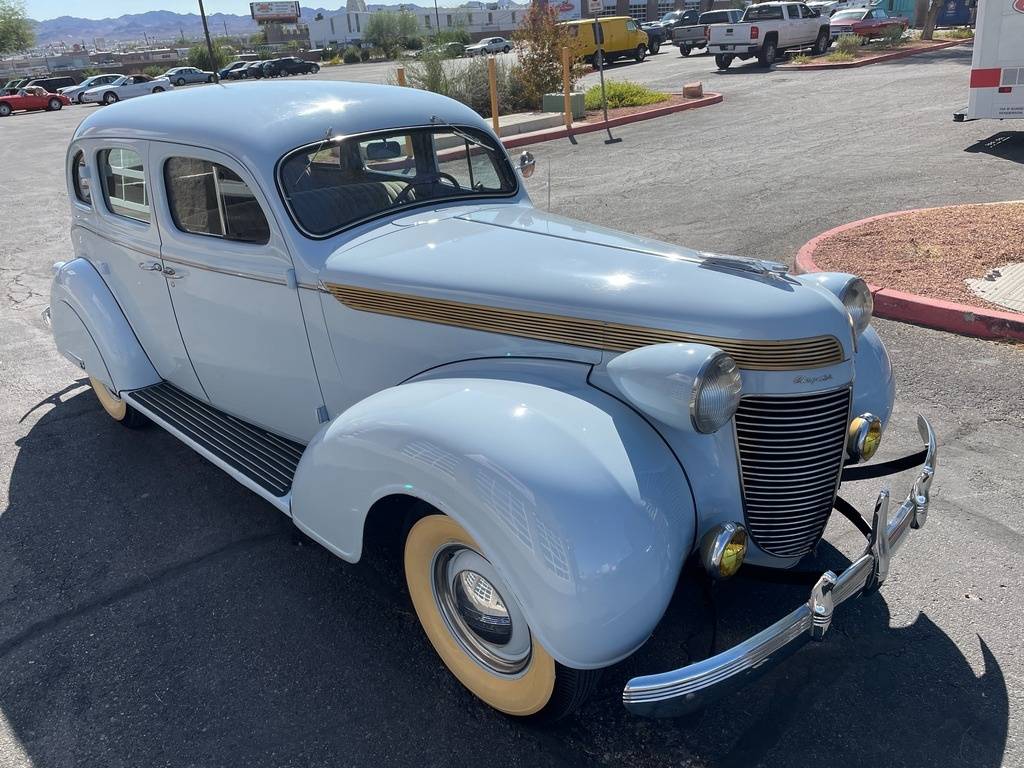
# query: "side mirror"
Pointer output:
{"type": "Point", "coordinates": [527, 164]}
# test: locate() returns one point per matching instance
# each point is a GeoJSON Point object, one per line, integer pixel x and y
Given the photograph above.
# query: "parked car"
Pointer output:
{"type": "Point", "coordinates": [53, 84]}
{"type": "Point", "coordinates": [678, 18]}
{"type": "Point", "coordinates": [253, 70]}
{"type": "Point", "coordinates": [767, 30]}
{"type": "Point", "coordinates": [126, 87]}
{"type": "Point", "coordinates": [489, 45]}
{"type": "Point", "coordinates": [289, 65]}
{"type": "Point", "coordinates": [187, 75]}
{"type": "Point", "coordinates": [696, 35]}
{"type": "Point", "coordinates": [622, 37]}
{"type": "Point", "coordinates": [233, 71]}
{"type": "Point", "coordinates": [829, 7]}
{"type": "Point", "coordinates": [866, 23]}
{"type": "Point", "coordinates": [656, 36]}
{"type": "Point", "coordinates": [75, 92]}
{"type": "Point", "coordinates": [16, 83]}
{"type": "Point", "coordinates": [519, 434]}
{"type": "Point", "coordinates": [31, 98]}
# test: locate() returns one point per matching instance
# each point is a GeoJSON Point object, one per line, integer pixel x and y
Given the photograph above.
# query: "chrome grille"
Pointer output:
{"type": "Point", "coordinates": [791, 452]}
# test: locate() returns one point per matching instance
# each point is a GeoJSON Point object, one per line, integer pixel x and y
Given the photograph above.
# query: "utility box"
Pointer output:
{"type": "Point", "coordinates": [555, 102]}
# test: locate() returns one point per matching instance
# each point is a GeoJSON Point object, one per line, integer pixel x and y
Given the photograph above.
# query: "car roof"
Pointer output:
{"type": "Point", "coordinates": [259, 121]}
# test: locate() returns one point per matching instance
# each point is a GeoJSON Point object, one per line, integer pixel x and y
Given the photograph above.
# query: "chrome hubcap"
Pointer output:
{"type": "Point", "coordinates": [489, 628]}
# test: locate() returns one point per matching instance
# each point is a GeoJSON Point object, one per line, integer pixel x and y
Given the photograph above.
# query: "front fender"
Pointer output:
{"type": "Point", "coordinates": [578, 503]}
{"type": "Point", "coordinates": [874, 386]}
{"type": "Point", "coordinates": [90, 329]}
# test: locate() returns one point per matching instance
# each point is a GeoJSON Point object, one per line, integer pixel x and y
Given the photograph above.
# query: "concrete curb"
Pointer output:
{"type": "Point", "coordinates": [943, 315]}
{"type": "Point", "coordinates": [875, 59]}
{"type": "Point", "coordinates": [548, 134]}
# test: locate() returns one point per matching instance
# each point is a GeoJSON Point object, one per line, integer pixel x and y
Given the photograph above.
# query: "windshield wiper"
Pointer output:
{"type": "Point", "coordinates": [460, 133]}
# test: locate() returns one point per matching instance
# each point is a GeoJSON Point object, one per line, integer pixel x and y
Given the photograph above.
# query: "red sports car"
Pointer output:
{"type": "Point", "coordinates": [864, 22]}
{"type": "Point", "coordinates": [30, 98]}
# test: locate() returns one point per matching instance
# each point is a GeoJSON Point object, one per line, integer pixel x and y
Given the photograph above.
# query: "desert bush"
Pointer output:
{"type": "Point", "coordinates": [848, 45]}
{"type": "Point", "coordinates": [956, 33]}
{"type": "Point", "coordinates": [457, 35]}
{"type": "Point", "coordinates": [334, 61]}
{"type": "Point", "coordinates": [801, 58]}
{"type": "Point", "coordinates": [364, 54]}
{"type": "Point", "coordinates": [622, 94]}
{"type": "Point", "coordinates": [892, 37]}
{"type": "Point", "coordinates": [839, 56]}
{"type": "Point", "coordinates": [154, 71]}
{"type": "Point", "coordinates": [467, 82]}
{"type": "Point", "coordinates": [199, 57]}
{"type": "Point", "coordinates": [539, 41]}
{"type": "Point", "coordinates": [351, 55]}
{"type": "Point", "coordinates": [414, 43]}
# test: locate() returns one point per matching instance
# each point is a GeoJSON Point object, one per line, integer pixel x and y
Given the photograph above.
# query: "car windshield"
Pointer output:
{"type": "Point", "coordinates": [855, 15]}
{"type": "Point", "coordinates": [337, 183]}
{"type": "Point", "coordinates": [763, 13]}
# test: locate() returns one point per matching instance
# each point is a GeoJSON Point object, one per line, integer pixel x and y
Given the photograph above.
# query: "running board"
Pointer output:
{"type": "Point", "coordinates": [260, 460]}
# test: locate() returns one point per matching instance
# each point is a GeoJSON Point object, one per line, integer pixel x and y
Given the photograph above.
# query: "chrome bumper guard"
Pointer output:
{"type": "Point", "coordinates": [693, 687]}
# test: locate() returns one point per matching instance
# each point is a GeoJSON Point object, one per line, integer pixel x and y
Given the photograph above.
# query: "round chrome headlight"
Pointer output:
{"type": "Point", "coordinates": [716, 394]}
{"type": "Point", "coordinates": [856, 297]}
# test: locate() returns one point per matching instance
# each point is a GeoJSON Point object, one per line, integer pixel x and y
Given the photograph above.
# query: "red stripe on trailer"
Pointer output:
{"type": "Point", "coordinates": [985, 78]}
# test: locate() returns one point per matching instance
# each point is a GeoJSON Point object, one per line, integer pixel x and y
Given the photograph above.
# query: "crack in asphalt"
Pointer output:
{"type": "Point", "coordinates": [136, 586]}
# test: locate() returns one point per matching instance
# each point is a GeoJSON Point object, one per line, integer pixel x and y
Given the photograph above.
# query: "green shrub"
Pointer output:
{"type": "Point", "coordinates": [414, 43]}
{"type": "Point", "coordinates": [892, 37]}
{"type": "Point", "coordinates": [802, 58]}
{"type": "Point", "coordinates": [467, 82]}
{"type": "Point", "coordinates": [838, 56]}
{"type": "Point", "coordinates": [91, 71]}
{"type": "Point", "coordinates": [154, 71]}
{"type": "Point", "coordinates": [623, 94]}
{"type": "Point", "coordinates": [956, 33]}
{"type": "Point", "coordinates": [351, 55]}
{"type": "Point", "coordinates": [848, 45]}
{"type": "Point", "coordinates": [457, 35]}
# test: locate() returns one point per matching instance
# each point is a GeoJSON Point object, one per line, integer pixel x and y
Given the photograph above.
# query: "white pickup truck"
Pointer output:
{"type": "Point", "coordinates": [768, 29]}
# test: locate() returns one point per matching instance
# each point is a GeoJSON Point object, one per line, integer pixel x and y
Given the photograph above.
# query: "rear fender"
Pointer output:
{"type": "Point", "coordinates": [578, 503]}
{"type": "Point", "coordinates": [90, 329]}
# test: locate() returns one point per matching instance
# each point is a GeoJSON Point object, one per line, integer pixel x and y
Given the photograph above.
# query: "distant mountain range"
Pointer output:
{"type": "Point", "coordinates": [156, 25]}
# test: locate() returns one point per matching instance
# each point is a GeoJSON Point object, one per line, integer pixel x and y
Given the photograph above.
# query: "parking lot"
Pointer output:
{"type": "Point", "coordinates": [154, 612]}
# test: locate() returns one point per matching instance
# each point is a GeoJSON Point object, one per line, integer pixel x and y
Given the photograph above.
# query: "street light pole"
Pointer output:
{"type": "Point", "coordinates": [437, 18]}
{"type": "Point", "coordinates": [209, 43]}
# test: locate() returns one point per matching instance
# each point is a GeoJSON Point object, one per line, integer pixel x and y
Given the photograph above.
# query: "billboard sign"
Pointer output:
{"type": "Point", "coordinates": [567, 10]}
{"type": "Point", "coordinates": [283, 12]}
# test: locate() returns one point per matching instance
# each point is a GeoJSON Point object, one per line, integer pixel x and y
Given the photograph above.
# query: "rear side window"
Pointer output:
{"type": "Point", "coordinates": [763, 13]}
{"type": "Point", "coordinates": [208, 199]}
{"type": "Point", "coordinates": [124, 183]}
{"type": "Point", "coordinates": [82, 191]}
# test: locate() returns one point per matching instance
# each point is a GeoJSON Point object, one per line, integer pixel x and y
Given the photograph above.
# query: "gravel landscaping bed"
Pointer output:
{"type": "Point", "coordinates": [931, 253]}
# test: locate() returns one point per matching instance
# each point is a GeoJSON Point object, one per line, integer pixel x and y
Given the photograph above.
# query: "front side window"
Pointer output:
{"type": "Point", "coordinates": [208, 199]}
{"type": "Point", "coordinates": [81, 185]}
{"type": "Point", "coordinates": [335, 184]}
{"type": "Point", "coordinates": [124, 183]}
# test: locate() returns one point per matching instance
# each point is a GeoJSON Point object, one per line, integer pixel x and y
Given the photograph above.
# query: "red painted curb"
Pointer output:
{"type": "Point", "coordinates": [943, 315]}
{"type": "Point", "coordinates": [548, 134]}
{"type": "Point", "coordinates": [876, 59]}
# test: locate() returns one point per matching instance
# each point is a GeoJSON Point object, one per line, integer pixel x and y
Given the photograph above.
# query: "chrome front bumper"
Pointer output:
{"type": "Point", "coordinates": [690, 688]}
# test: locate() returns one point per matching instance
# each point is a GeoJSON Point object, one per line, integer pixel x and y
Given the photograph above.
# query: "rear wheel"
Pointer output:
{"type": "Point", "coordinates": [117, 408]}
{"type": "Point", "coordinates": [685, 50]}
{"type": "Point", "coordinates": [158, 89]}
{"type": "Point", "coordinates": [640, 53]}
{"type": "Point", "coordinates": [723, 60]}
{"type": "Point", "coordinates": [54, 104]}
{"type": "Point", "coordinates": [180, 81]}
{"type": "Point", "coordinates": [506, 49]}
{"type": "Point", "coordinates": [5, 109]}
{"type": "Point", "coordinates": [767, 55]}
{"type": "Point", "coordinates": [316, 69]}
{"type": "Point", "coordinates": [598, 59]}
{"type": "Point", "coordinates": [655, 47]}
{"type": "Point", "coordinates": [477, 627]}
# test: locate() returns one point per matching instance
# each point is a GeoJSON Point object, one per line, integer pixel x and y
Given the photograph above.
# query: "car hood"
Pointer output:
{"type": "Point", "coordinates": [517, 257]}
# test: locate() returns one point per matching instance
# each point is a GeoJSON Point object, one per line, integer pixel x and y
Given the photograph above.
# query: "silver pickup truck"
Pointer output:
{"type": "Point", "coordinates": [696, 35]}
{"type": "Point", "coordinates": [767, 30]}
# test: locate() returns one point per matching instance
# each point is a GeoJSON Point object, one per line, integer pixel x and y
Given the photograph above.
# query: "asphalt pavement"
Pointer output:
{"type": "Point", "coordinates": [153, 612]}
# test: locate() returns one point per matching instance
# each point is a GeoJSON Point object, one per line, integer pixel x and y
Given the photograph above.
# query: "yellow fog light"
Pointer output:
{"type": "Point", "coordinates": [723, 548]}
{"type": "Point", "coordinates": [864, 437]}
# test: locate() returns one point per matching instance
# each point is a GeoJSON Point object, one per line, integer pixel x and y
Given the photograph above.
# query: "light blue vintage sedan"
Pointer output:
{"type": "Point", "coordinates": [342, 296]}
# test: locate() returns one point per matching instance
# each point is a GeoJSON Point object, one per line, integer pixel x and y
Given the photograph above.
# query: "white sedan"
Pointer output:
{"type": "Point", "coordinates": [75, 92]}
{"type": "Point", "coordinates": [489, 45]}
{"type": "Point", "coordinates": [127, 87]}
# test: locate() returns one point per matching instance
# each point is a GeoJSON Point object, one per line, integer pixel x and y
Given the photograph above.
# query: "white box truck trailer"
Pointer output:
{"type": "Point", "coordinates": [997, 69]}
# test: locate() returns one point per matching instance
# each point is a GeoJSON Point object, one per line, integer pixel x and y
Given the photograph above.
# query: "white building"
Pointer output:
{"type": "Point", "coordinates": [479, 19]}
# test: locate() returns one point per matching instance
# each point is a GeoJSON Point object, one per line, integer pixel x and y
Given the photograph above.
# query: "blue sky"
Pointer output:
{"type": "Point", "coordinates": [100, 9]}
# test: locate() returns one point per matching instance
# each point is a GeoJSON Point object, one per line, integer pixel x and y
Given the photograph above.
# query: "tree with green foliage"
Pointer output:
{"type": "Point", "coordinates": [457, 35]}
{"type": "Point", "coordinates": [199, 57]}
{"type": "Point", "coordinates": [540, 40]}
{"type": "Point", "coordinates": [387, 31]}
{"type": "Point", "coordinates": [16, 33]}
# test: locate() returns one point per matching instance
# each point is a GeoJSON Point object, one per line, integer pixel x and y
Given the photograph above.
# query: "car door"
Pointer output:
{"type": "Point", "coordinates": [233, 290]}
{"type": "Point", "coordinates": [113, 226]}
{"type": "Point", "coordinates": [812, 21]}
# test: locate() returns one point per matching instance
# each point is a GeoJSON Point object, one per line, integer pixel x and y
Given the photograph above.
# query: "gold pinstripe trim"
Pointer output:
{"type": "Point", "coordinates": [792, 354]}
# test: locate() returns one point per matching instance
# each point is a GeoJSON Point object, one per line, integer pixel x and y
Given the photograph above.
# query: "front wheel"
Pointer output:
{"type": "Point", "coordinates": [723, 60]}
{"type": "Point", "coordinates": [655, 47]}
{"type": "Point", "coordinates": [824, 41]}
{"type": "Point", "coordinates": [79, 99]}
{"type": "Point", "coordinates": [117, 408]}
{"type": "Point", "coordinates": [640, 53]}
{"type": "Point", "coordinates": [685, 50]}
{"type": "Point", "coordinates": [54, 105]}
{"type": "Point", "coordinates": [209, 79]}
{"type": "Point", "coordinates": [5, 109]}
{"type": "Point", "coordinates": [158, 89]}
{"type": "Point", "coordinates": [767, 55]}
{"type": "Point", "coordinates": [477, 627]}
{"type": "Point", "coordinates": [110, 98]}
{"type": "Point", "coordinates": [180, 81]}
{"type": "Point", "coordinates": [506, 49]}
{"type": "Point", "coordinates": [316, 69]}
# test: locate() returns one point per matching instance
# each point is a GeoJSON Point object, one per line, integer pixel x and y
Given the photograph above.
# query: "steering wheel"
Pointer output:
{"type": "Point", "coordinates": [404, 194]}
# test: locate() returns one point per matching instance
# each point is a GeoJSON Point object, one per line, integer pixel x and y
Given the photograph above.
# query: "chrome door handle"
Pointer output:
{"type": "Point", "coordinates": [151, 266]}
{"type": "Point", "coordinates": [170, 274]}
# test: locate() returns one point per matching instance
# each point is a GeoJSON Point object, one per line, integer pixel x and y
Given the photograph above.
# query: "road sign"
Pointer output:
{"type": "Point", "coordinates": [595, 6]}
